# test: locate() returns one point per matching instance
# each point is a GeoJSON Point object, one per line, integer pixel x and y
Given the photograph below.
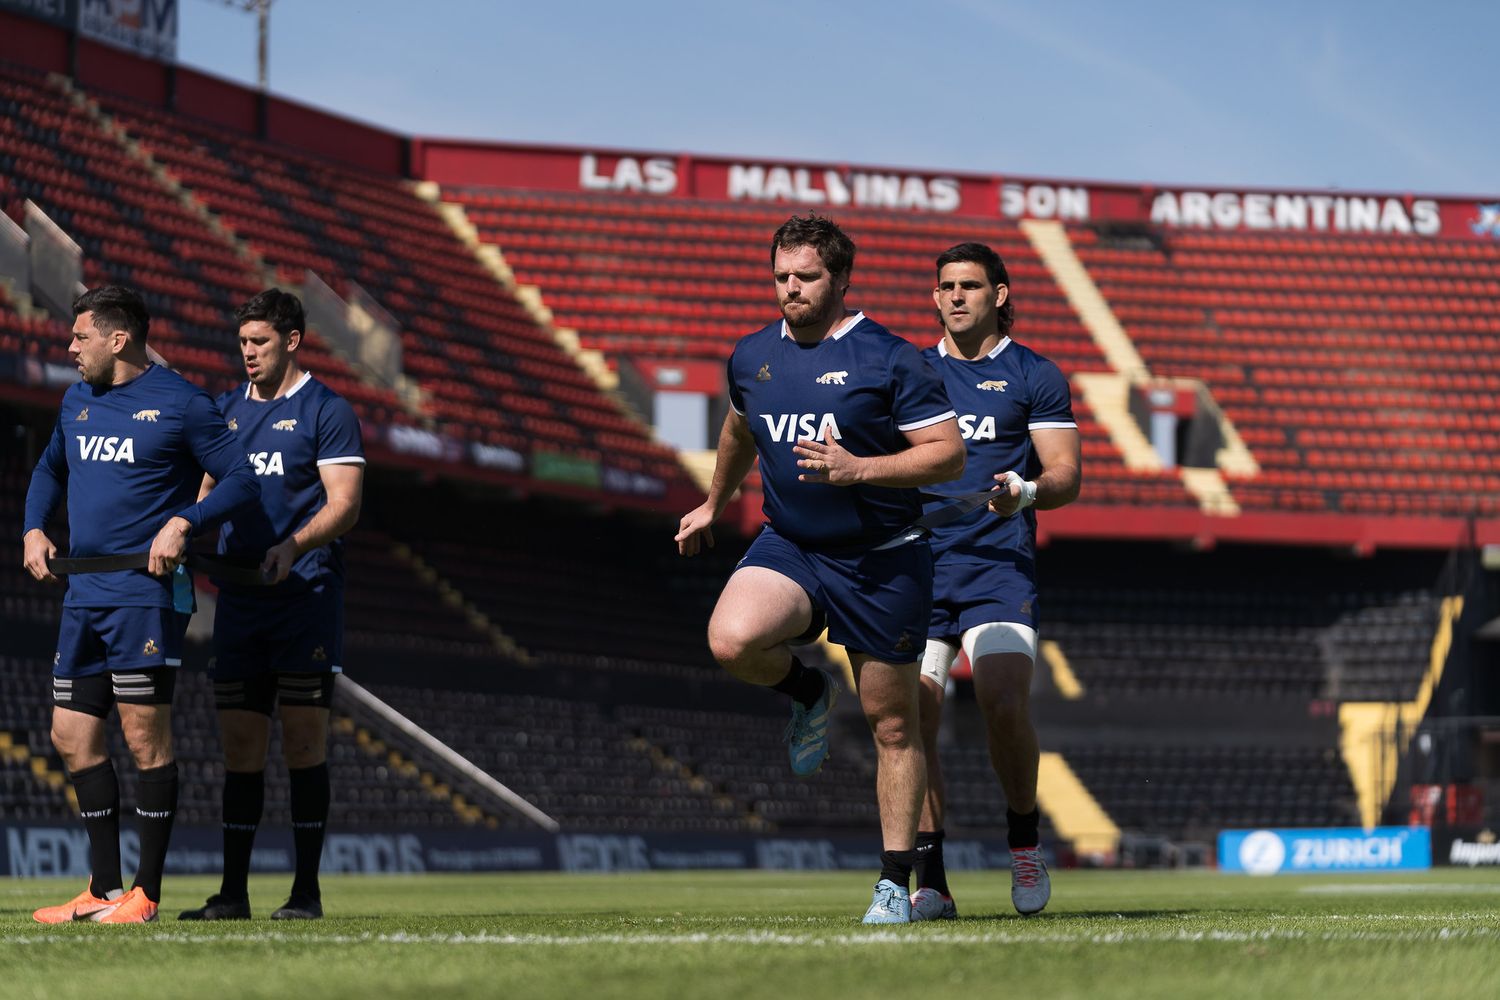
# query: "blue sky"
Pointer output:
{"type": "Point", "coordinates": [1333, 93]}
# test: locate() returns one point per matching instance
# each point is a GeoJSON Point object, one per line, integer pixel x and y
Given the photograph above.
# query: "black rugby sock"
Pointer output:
{"type": "Point", "coordinates": [1023, 828]}
{"type": "Point", "coordinates": [803, 684]}
{"type": "Point", "coordinates": [896, 866]}
{"type": "Point", "coordinates": [929, 867]}
{"type": "Point", "coordinates": [244, 802]}
{"type": "Point", "coordinates": [98, 793]}
{"type": "Point", "coordinates": [310, 798]}
{"type": "Point", "coordinates": [155, 808]}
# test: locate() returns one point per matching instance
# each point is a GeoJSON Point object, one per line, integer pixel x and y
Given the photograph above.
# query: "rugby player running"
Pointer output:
{"type": "Point", "coordinates": [1016, 417]}
{"type": "Point", "coordinates": [847, 420]}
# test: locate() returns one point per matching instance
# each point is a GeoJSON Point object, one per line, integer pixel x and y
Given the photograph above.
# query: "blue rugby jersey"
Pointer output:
{"type": "Point", "coordinates": [868, 386]}
{"type": "Point", "coordinates": [288, 439]}
{"type": "Point", "coordinates": [130, 457]}
{"type": "Point", "coordinates": [1000, 398]}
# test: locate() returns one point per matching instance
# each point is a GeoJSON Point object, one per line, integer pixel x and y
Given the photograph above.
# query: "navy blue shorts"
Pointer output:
{"type": "Point", "coordinates": [94, 641]}
{"type": "Point", "coordinates": [877, 602]}
{"type": "Point", "coordinates": [262, 635]}
{"type": "Point", "coordinates": [967, 594]}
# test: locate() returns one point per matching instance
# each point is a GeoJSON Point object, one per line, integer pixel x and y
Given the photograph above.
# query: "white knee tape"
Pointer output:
{"type": "Point", "coordinates": [999, 637]}
{"type": "Point", "coordinates": [937, 660]}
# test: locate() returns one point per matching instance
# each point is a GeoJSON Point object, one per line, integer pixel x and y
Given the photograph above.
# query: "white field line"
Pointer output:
{"type": "Point", "coordinates": [883, 938]}
{"type": "Point", "coordinates": [1436, 889]}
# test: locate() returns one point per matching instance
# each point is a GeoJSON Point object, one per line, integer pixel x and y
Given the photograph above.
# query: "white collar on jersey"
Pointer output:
{"type": "Point", "coordinates": [848, 325]}
{"type": "Point", "coordinates": [943, 348]}
{"type": "Point", "coordinates": [289, 393]}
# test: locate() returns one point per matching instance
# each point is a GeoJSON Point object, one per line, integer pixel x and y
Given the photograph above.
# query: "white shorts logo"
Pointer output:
{"type": "Point", "coordinates": [1262, 853]}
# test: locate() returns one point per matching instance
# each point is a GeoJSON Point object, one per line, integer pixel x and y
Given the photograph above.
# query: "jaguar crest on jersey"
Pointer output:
{"type": "Point", "coordinates": [993, 384]}
{"type": "Point", "coordinates": [289, 424]}
{"type": "Point", "coordinates": [832, 378]}
{"type": "Point", "coordinates": [148, 415]}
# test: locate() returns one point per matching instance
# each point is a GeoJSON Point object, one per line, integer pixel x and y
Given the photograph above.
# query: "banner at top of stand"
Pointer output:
{"type": "Point", "coordinates": [145, 27]}
{"type": "Point", "coordinates": [829, 187]}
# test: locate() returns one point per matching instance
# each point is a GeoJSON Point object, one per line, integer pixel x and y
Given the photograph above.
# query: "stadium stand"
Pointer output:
{"type": "Point", "coordinates": [1191, 793]}
{"type": "Point", "coordinates": [558, 643]}
{"type": "Point", "coordinates": [489, 372]}
{"type": "Point", "coordinates": [374, 791]}
{"type": "Point", "coordinates": [133, 231]}
{"type": "Point", "coordinates": [1348, 364]}
{"type": "Point", "coordinates": [1147, 622]}
{"type": "Point", "coordinates": [686, 279]}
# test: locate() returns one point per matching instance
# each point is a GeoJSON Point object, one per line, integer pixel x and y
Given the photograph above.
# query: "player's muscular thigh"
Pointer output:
{"type": "Point", "coordinates": [759, 609]}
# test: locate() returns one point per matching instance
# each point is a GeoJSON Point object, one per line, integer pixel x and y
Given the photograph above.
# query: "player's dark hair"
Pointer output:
{"type": "Point", "coordinates": [282, 310]}
{"type": "Point", "coordinates": [834, 247]}
{"type": "Point", "coordinates": [115, 307]}
{"type": "Point", "coordinates": [994, 269]}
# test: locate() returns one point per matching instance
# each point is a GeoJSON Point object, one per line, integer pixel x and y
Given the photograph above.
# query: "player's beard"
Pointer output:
{"type": "Point", "coordinates": [100, 375]}
{"type": "Point", "coordinates": [811, 318]}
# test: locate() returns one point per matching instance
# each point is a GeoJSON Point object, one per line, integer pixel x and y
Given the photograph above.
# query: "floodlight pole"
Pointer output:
{"type": "Point", "coordinates": [262, 45]}
{"type": "Point", "coordinates": [262, 11]}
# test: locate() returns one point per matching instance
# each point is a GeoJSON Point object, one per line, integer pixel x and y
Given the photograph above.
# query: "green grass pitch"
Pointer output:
{"type": "Point", "coordinates": [727, 935]}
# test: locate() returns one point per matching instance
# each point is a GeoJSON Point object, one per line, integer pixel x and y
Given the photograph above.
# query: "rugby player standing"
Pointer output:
{"type": "Point", "coordinates": [282, 644]}
{"type": "Point", "coordinates": [1016, 417]}
{"type": "Point", "coordinates": [847, 419]}
{"type": "Point", "coordinates": [132, 443]}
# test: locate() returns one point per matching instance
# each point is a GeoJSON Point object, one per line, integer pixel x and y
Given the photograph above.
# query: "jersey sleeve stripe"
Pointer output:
{"type": "Point", "coordinates": [1047, 425]}
{"type": "Point", "coordinates": [736, 409]}
{"type": "Point", "coordinates": [919, 424]}
{"type": "Point", "coordinates": [345, 460]}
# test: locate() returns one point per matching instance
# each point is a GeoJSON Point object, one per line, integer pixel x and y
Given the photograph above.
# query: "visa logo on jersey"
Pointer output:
{"type": "Point", "coordinates": [267, 463]}
{"type": "Point", "coordinates": [95, 448]}
{"type": "Point", "coordinates": [976, 428]}
{"type": "Point", "coordinates": [789, 428]}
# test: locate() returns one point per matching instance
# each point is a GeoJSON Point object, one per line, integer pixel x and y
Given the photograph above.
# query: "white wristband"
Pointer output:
{"type": "Point", "coordinates": [1027, 496]}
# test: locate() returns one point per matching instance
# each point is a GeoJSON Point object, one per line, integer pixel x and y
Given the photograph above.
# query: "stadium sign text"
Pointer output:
{"type": "Point", "coordinates": [836, 188]}
{"type": "Point", "coordinates": [1272, 852]}
{"type": "Point", "coordinates": [45, 851]}
{"type": "Point", "coordinates": [656, 175]}
{"type": "Point", "coordinates": [1463, 852]}
{"type": "Point", "coordinates": [1044, 201]}
{"type": "Point", "coordinates": [1296, 212]}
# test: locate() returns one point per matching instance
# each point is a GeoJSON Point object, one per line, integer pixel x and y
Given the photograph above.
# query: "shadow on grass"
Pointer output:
{"type": "Point", "coordinates": [1074, 916]}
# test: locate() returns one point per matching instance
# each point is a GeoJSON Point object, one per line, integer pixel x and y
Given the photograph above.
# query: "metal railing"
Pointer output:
{"type": "Point", "coordinates": [56, 263]}
{"type": "Point", "coordinates": [436, 755]}
{"type": "Point", "coordinates": [359, 329]}
{"type": "Point", "coordinates": [15, 254]}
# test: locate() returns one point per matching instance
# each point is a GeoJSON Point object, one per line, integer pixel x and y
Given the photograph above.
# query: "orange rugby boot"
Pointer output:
{"type": "Point", "coordinates": [135, 907]}
{"type": "Point", "coordinates": [84, 906]}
